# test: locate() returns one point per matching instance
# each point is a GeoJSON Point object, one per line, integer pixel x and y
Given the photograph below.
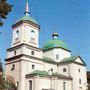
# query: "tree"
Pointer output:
{"type": "Point", "coordinates": [5, 8]}
{"type": "Point", "coordinates": [8, 83]}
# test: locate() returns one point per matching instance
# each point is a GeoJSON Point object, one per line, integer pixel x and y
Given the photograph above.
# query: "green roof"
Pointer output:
{"type": "Point", "coordinates": [39, 73]}
{"type": "Point", "coordinates": [72, 58]}
{"type": "Point", "coordinates": [28, 18]}
{"type": "Point", "coordinates": [45, 74]}
{"type": "Point", "coordinates": [57, 74]}
{"type": "Point", "coordinates": [55, 43]}
{"type": "Point", "coordinates": [47, 59]}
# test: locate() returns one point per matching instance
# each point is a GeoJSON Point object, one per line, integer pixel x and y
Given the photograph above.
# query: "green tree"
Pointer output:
{"type": "Point", "coordinates": [5, 8]}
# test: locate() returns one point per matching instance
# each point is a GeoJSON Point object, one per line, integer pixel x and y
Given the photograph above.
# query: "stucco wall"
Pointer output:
{"type": "Point", "coordinates": [63, 66]}
{"type": "Point", "coordinates": [48, 66]}
{"type": "Point", "coordinates": [76, 75]}
{"type": "Point", "coordinates": [40, 83]}
{"type": "Point", "coordinates": [13, 73]}
{"type": "Point", "coordinates": [25, 35]}
{"type": "Point", "coordinates": [53, 52]}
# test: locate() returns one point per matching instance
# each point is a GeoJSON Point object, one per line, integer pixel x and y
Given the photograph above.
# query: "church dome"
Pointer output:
{"type": "Point", "coordinates": [28, 18]}
{"type": "Point", "coordinates": [55, 43]}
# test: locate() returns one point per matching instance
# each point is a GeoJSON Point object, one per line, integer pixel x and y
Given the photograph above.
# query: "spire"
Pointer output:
{"type": "Point", "coordinates": [27, 13]}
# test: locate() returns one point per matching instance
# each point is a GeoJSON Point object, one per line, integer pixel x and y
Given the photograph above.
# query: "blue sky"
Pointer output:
{"type": "Point", "coordinates": [70, 18]}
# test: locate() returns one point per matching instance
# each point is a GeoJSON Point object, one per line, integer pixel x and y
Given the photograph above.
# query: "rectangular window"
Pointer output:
{"type": "Point", "coordinates": [64, 85]}
{"type": "Point", "coordinates": [79, 70]}
{"type": "Point", "coordinates": [30, 85]}
{"type": "Point", "coordinates": [57, 56]}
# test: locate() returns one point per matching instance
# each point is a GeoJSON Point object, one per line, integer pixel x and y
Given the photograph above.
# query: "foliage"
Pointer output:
{"type": "Point", "coordinates": [5, 8]}
{"type": "Point", "coordinates": [8, 84]}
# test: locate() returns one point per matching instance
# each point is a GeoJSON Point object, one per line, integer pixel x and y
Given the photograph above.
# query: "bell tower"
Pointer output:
{"type": "Point", "coordinates": [26, 30]}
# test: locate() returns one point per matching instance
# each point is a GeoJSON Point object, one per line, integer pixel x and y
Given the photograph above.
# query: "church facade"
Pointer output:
{"type": "Point", "coordinates": [49, 68]}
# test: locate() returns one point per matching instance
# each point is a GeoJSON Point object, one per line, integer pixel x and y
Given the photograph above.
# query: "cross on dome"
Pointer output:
{"type": "Point", "coordinates": [55, 35]}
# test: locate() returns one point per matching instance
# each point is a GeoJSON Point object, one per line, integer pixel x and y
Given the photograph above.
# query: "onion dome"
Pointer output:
{"type": "Point", "coordinates": [55, 43]}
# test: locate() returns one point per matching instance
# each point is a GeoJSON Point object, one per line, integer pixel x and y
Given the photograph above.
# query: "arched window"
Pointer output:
{"type": "Point", "coordinates": [32, 35]}
{"type": "Point", "coordinates": [17, 34]}
{"type": "Point", "coordinates": [32, 31]}
{"type": "Point", "coordinates": [64, 70]}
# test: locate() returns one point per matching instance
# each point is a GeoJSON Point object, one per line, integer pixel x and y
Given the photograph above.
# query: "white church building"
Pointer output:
{"type": "Point", "coordinates": [49, 68]}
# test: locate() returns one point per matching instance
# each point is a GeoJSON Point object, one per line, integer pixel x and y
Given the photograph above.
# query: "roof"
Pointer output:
{"type": "Point", "coordinates": [55, 43]}
{"type": "Point", "coordinates": [46, 74]}
{"type": "Point", "coordinates": [47, 59]}
{"type": "Point", "coordinates": [72, 59]}
{"type": "Point", "coordinates": [38, 73]}
{"type": "Point", "coordinates": [28, 18]}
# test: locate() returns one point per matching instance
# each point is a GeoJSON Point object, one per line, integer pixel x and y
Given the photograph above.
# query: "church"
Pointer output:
{"type": "Point", "coordinates": [48, 68]}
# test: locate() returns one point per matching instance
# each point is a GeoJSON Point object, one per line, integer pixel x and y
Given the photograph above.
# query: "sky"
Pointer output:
{"type": "Point", "coordinates": [70, 18]}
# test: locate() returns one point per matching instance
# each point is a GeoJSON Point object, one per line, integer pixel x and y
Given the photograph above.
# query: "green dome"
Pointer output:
{"type": "Point", "coordinates": [55, 43]}
{"type": "Point", "coordinates": [28, 18]}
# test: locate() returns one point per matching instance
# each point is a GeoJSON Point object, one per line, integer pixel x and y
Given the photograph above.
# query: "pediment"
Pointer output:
{"type": "Point", "coordinates": [79, 60]}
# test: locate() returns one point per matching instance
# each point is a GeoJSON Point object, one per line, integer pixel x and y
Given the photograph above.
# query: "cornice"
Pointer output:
{"type": "Point", "coordinates": [25, 21]}
{"type": "Point", "coordinates": [18, 46]}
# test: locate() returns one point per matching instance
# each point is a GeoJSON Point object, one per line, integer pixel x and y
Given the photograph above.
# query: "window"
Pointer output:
{"type": "Point", "coordinates": [64, 70]}
{"type": "Point", "coordinates": [32, 52]}
{"type": "Point", "coordinates": [57, 57]}
{"type": "Point", "coordinates": [32, 39]}
{"type": "Point", "coordinates": [51, 69]}
{"type": "Point", "coordinates": [17, 34]}
{"type": "Point", "coordinates": [17, 84]}
{"type": "Point", "coordinates": [79, 70]}
{"type": "Point", "coordinates": [32, 31]}
{"type": "Point", "coordinates": [13, 67]}
{"type": "Point", "coordinates": [64, 85]}
{"type": "Point", "coordinates": [33, 66]}
{"type": "Point", "coordinates": [30, 85]}
{"type": "Point", "coordinates": [32, 35]}
{"type": "Point", "coordinates": [14, 52]}
{"type": "Point", "coordinates": [79, 81]}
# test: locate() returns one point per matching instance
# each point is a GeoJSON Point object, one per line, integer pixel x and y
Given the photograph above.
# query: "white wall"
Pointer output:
{"type": "Point", "coordinates": [53, 52]}
{"type": "Point", "coordinates": [40, 83]}
{"type": "Point", "coordinates": [78, 75]}
{"type": "Point", "coordinates": [48, 66]}
{"type": "Point", "coordinates": [38, 66]}
{"type": "Point", "coordinates": [49, 53]}
{"type": "Point", "coordinates": [13, 73]}
{"type": "Point", "coordinates": [11, 52]}
{"type": "Point", "coordinates": [61, 67]}
{"type": "Point", "coordinates": [25, 50]}
{"type": "Point", "coordinates": [25, 35]}
{"type": "Point", "coordinates": [37, 53]}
